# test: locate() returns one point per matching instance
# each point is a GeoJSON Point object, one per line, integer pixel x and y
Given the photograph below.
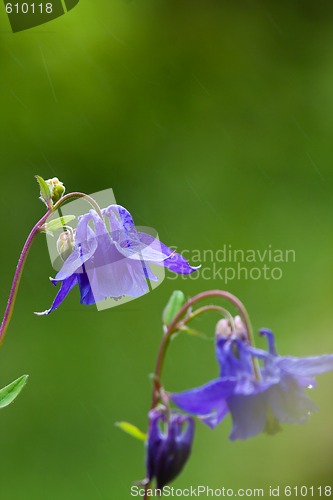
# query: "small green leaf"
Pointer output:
{"type": "Point", "coordinates": [176, 302]}
{"type": "Point", "coordinates": [45, 191]}
{"type": "Point", "coordinates": [132, 430]}
{"type": "Point", "coordinates": [59, 223]}
{"type": "Point", "coordinates": [11, 391]}
{"type": "Point", "coordinates": [191, 331]}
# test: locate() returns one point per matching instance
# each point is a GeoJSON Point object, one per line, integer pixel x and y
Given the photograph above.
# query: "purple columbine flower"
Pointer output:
{"type": "Point", "coordinates": [257, 402]}
{"type": "Point", "coordinates": [168, 446]}
{"type": "Point", "coordinates": [112, 264]}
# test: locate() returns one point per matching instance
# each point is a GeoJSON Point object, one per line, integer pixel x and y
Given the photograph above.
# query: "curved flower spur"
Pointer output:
{"type": "Point", "coordinates": [111, 264]}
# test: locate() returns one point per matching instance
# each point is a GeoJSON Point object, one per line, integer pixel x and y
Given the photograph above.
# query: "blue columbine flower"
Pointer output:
{"type": "Point", "coordinates": [168, 446]}
{"type": "Point", "coordinates": [257, 402]}
{"type": "Point", "coordinates": [112, 264]}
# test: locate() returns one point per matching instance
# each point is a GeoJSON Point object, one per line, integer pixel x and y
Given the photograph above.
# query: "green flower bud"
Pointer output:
{"type": "Point", "coordinates": [57, 189]}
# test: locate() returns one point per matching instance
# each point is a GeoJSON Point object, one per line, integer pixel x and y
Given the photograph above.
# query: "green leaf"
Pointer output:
{"type": "Point", "coordinates": [132, 430]}
{"type": "Point", "coordinates": [11, 391]}
{"type": "Point", "coordinates": [59, 223]}
{"type": "Point", "coordinates": [176, 302]}
{"type": "Point", "coordinates": [45, 191]}
{"type": "Point", "coordinates": [192, 332]}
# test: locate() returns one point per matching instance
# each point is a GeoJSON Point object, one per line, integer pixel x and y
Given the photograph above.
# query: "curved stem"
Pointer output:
{"type": "Point", "coordinates": [77, 194]}
{"type": "Point", "coordinates": [215, 293]}
{"type": "Point", "coordinates": [204, 309]}
{"type": "Point", "coordinates": [17, 276]}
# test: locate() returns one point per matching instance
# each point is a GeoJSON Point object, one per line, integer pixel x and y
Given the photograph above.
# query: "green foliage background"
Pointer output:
{"type": "Point", "coordinates": [212, 121]}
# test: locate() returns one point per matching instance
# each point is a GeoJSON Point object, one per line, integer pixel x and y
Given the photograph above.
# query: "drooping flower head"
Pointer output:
{"type": "Point", "coordinates": [257, 399]}
{"type": "Point", "coordinates": [109, 258]}
{"type": "Point", "coordinates": [168, 446]}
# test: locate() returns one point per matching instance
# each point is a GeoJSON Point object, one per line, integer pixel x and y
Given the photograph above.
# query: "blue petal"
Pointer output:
{"type": "Point", "coordinates": [148, 249]}
{"type": "Point", "coordinates": [138, 245]}
{"type": "Point", "coordinates": [289, 402]}
{"type": "Point", "coordinates": [66, 287]}
{"type": "Point", "coordinates": [233, 357]}
{"type": "Point", "coordinates": [87, 296]}
{"type": "Point", "coordinates": [203, 400]}
{"type": "Point", "coordinates": [171, 259]}
{"type": "Point", "coordinates": [248, 415]}
{"type": "Point", "coordinates": [308, 366]}
{"type": "Point", "coordinates": [85, 247]}
{"type": "Point", "coordinates": [270, 340]}
{"type": "Point", "coordinates": [216, 416]}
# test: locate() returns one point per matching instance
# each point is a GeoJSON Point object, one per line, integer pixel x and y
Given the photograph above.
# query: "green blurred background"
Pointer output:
{"type": "Point", "coordinates": [212, 121]}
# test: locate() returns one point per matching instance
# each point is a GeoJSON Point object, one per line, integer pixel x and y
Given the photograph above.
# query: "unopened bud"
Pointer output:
{"type": "Point", "coordinates": [66, 243]}
{"type": "Point", "coordinates": [239, 325]}
{"type": "Point", "coordinates": [57, 189]}
{"type": "Point", "coordinates": [223, 328]}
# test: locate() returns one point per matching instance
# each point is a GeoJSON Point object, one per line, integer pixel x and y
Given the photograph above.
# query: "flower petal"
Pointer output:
{"type": "Point", "coordinates": [270, 340]}
{"type": "Point", "coordinates": [248, 415]}
{"type": "Point", "coordinates": [85, 247]}
{"type": "Point", "coordinates": [289, 402]}
{"type": "Point", "coordinates": [308, 366]}
{"type": "Point", "coordinates": [89, 293]}
{"type": "Point", "coordinates": [66, 287]}
{"type": "Point", "coordinates": [142, 246]}
{"type": "Point", "coordinates": [204, 399]}
{"type": "Point", "coordinates": [216, 416]}
{"type": "Point", "coordinates": [171, 259]}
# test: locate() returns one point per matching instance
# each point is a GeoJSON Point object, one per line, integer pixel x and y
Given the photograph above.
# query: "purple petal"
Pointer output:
{"type": "Point", "coordinates": [122, 224]}
{"type": "Point", "coordinates": [308, 366]}
{"type": "Point", "coordinates": [141, 246]}
{"type": "Point", "coordinates": [66, 287]}
{"type": "Point", "coordinates": [203, 400]}
{"type": "Point", "coordinates": [85, 247]}
{"type": "Point", "coordinates": [270, 340]}
{"type": "Point", "coordinates": [216, 416]}
{"type": "Point", "coordinates": [87, 296]}
{"type": "Point", "coordinates": [289, 402]}
{"type": "Point", "coordinates": [248, 415]}
{"type": "Point", "coordinates": [125, 217]}
{"type": "Point", "coordinates": [171, 259]}
{"type": "Point", "coordinates": [149, 250]}
{"type": "Point", "coordinates": [233, 357]}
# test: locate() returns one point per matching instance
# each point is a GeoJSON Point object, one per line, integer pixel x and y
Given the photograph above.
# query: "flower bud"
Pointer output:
{"type": "Point", "coordinates": [66, 243]}
{"type": "Point", "coordinates": [168, 446]}
{"type": "Point", "coordinates": [222, 328]}
{"type": "Point", "coordinates": [57, 189]}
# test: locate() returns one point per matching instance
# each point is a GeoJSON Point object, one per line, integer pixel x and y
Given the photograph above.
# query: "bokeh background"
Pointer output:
{"type": "Point", "coordinates": [212, 121]}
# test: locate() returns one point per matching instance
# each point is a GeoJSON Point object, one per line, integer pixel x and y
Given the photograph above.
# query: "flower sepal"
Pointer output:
{"type": "Point", "coordinates": [45, 192]}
